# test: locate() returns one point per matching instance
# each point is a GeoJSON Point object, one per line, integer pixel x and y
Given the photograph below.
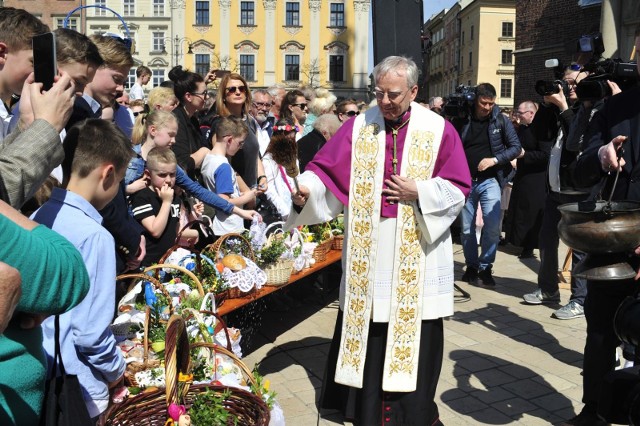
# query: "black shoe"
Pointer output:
{"type": "Point", "coordinates": [526, 254]}
{"type": "Point", "coordinates": [485, 278]}
{"type": "Point", "coordinates": [470, 275]}
{"type": "Point", "coordinates": [502, 242]}
{"type": "Point", "coordinates": [585, 418]}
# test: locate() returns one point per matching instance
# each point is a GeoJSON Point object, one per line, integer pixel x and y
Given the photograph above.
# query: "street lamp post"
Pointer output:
{"type": "Point", "coordinates": [178, 44]}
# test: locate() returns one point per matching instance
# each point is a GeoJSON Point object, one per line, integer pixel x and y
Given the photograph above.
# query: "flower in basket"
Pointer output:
{"type": "Point", "coordinates": [317, 233]}
{"type": "Point", "coordinates": [337, 225]}
{"type": "Point", "coordinates": [270, 252]}
{"type": "Point", "coordinates": [261, 387]}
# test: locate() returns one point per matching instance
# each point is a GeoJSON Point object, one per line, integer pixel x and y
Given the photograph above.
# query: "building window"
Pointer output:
{"type": "Point", "coordinates": [202, 13]}
{"type": "Point", "coordinates": [157, 41]}
{"type": "Point", "coordinates": [247, 10]}
{"type": "Point", "coordinates": [470, 59]}
{"type": "Point", "coordinates": [292, 67]}
{"type": "Point", "coordinates": [507, 56]}
{"type": "Point", "coordinates": [158, 7]}
{"type": "Point", "coordinates": [247, 67]}
{"type": "Point", "coordinates": [72, 25]}
{"type": "Point", "coordinates": [157, 77]}
{"type": "Point", "coordinates": [128, 7]}
{"type": "Point", "coordinates": [131, 78]}
{"type": "Point", "coordinates": [336, 18]}
{"type": "Point", "coordinates": [97, 10]}
{"type": "Point", "coordinates": [461, 63]}
{"type": "Point", "coordinates": [293, 14]}
{"type": "Point", "coordinates": [505, 88]}
{"type": "Point", "coordinates": [203, 64]}
{"type": "Point", "coordinates": [507, 29]}
{"type": "Point", "coordinates": [471, 33]}
{"type": "Point", "coordinates": [463, 37]}
{"type": "Point", "coordinates": [336, 68]}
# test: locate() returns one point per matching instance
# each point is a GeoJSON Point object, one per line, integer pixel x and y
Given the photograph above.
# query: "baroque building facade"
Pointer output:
{"type": "Point", "coordinates": [314, 42]}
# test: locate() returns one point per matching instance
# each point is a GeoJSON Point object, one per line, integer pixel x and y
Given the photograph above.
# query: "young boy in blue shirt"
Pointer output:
{"type": "Point", "coordinates": [219, 176]}
{"type": "Point", "coordinates": [96, 158]}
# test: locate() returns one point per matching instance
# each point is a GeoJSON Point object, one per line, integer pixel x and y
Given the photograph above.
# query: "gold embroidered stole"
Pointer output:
{"type": "Point", "coordinates": [365, 191]}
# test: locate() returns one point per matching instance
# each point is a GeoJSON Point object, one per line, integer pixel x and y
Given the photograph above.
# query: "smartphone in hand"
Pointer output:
{"type": "Point", "coordinates": [44, 59]}
{"type": "Point", "coordinates": [221, 73]}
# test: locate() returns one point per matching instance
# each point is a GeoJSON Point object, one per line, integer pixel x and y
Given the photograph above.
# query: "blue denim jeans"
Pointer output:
{"type": "Point", "coordinates": [487, 193]}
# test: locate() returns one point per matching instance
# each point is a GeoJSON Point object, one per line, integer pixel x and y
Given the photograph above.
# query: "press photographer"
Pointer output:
{"type": "Point", "coordinates": [490, 143]}
{"type": "Point", "coordinates": [553, 122]}
{"type": "Point", "coordinates": [614, 132]}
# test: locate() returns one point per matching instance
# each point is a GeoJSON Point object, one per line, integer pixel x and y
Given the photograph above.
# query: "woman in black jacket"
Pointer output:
{"type": "Point", "coordinates": [190, 147]}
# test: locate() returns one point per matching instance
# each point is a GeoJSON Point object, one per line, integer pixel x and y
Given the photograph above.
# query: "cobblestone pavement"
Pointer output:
{"type": "Point", "coordinates": [505, 362]}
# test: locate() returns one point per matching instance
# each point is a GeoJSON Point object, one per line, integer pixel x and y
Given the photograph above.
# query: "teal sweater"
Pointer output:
{"type": "Point", "coordinates": [54, 280]}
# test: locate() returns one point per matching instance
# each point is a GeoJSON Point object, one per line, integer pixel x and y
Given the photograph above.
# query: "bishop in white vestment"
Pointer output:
{"type": "Point", "coordinates": [399, 174]}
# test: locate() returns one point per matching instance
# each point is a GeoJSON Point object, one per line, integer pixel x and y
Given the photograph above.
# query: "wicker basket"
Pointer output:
{"type": "Point", "coordinates": [151, 408]}
{"type": "Point", "coordinates": [218, 251]}
{"type": "Point", "coordinates": [338, 242]}
{"type": "Point", "coordinates": [135, 366]}
{"type": "Point", "coordinates": [279, 273]}
{"type": "Point", "coordinates": [321, 250]}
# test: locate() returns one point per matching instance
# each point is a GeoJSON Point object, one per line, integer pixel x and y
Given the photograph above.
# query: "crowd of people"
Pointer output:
{"type": "Point", "coordinates": [134, 167]}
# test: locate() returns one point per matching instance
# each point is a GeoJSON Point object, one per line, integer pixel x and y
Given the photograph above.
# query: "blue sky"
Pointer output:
{"type": "Point", "coordinates": [429, 6]}
{"type": "Point", "coordinates": [434, 6]}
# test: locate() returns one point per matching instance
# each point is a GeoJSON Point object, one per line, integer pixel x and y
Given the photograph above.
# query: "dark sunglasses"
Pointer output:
{"type": "Point", "coordinates": [137, 113]}
{"type": "Point", "coordinates": [233, 89]}
{"type": "Point", "coordinates": [352, 113]}
{"type": "Point", "coordinates": [301, 106]}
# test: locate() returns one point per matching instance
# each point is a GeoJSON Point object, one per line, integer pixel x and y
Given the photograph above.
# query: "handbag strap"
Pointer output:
{"type": "Point", "coordinates": [57, 357]}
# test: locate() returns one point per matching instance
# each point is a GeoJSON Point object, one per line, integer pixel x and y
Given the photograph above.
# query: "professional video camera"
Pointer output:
{"type": "Point", "coordinates": [620, 397]}
{"type": "Point", "coordinates": [460, 103]}
{"type": "Point", "coordinates": [595, 87]}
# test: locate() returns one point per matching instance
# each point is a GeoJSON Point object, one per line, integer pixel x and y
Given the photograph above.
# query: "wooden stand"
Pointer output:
{"type": "Point", "coordinates": [230, 305]}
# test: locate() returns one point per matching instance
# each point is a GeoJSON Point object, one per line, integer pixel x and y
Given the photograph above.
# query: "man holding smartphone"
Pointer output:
{"type": "Point", "coordinates": [33, 149]}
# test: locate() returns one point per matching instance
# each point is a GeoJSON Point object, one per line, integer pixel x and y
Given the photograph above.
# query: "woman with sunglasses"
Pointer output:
{"type": "Point", "coordinates": [294, 107]}
{"type": "Point", "coordinates": [234, 99]}
{"type": "Point", "coordinates": [190, 147]}
{"type": "Point", "coordinates": [347, 109]}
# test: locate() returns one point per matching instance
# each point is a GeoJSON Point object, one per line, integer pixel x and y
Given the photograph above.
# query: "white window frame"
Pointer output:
{"type": "Point", "coordinates": [253, 16]}
{"type": "Point", "coordinates": [253, 55]}
{"type": "Point", "coordinates": [157, 41]}
{"type": "Point", "coordinates": [156, 78]}
{"type": "Point", "coordinates": [285, 65]}
{"type": "Point", "coordinates": [344, 66]}
{"type": "Point", "coordinates": [158, 7]}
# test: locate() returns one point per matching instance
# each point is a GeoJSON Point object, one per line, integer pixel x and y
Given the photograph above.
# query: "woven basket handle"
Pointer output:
{"type": "Point", "coordinates": [177, 268]}
{"type": "Point", "coordinates": [217, 348]}
{"type": "Point", "coordinates": [215, 247]}
{"type": "Point", "coordinates": [177, 358]}
{"type": "Point", "coordinates": [147, 313]}
{"type": "Point", "coordinates": [220, 326]}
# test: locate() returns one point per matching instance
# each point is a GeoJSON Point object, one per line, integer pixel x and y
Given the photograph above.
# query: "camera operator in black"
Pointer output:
{"type": "Point", "coordinates": [490, 143]}
{"type": "Point", "coordinates": [615, 127]}
{"type": "Point", "coordinates": [553, 122]}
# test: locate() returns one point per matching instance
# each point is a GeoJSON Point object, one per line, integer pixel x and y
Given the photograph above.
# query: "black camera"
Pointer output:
{"type": "Point", "coordinates": [595, 87]}
{"type": "Point", "coordinates": [460, 103]}
{"type": "Point", "coordinates": [547, 87]}
{"type": "Point", "coordinates": [620, 397]}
